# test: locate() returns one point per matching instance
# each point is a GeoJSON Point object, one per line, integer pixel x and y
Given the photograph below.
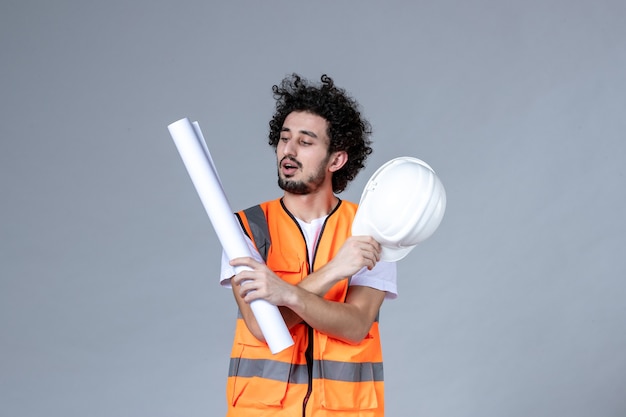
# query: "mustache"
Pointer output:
{"type": "Point", "coordinates": [291, 159]}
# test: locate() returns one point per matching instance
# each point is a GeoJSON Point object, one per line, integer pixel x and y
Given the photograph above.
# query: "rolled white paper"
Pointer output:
{"type": "Point", "coordinates": [197, 159]}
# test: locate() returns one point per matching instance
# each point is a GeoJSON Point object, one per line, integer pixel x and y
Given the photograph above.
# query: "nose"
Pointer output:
{"type": "Point", "coordinates": [289, 148]}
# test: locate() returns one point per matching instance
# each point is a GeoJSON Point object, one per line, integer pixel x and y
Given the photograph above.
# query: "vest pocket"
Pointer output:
{"type": "Point", "coordinates": [352, 385]}
{"type": "Point", "coordinates": [257, 381]}
{"type": "Point", "coordinates": [345, 396]}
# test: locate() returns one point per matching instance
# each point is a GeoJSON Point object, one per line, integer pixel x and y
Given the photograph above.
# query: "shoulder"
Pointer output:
{"type": "Point", "coordinates": [264, 207]}
{"type": "Point", "coordinates": [348, 206]}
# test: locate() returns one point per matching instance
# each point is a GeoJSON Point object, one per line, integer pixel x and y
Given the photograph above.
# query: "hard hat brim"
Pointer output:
{"type": "Point", "coordinates": [389, 252]}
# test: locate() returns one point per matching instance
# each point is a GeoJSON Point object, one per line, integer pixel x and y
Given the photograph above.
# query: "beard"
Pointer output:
{"type": "Point", "coordinates": [304, 187]}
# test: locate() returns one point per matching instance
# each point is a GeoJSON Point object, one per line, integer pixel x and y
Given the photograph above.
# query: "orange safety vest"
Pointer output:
{"type": "Point", "coordinates": [318, 376]}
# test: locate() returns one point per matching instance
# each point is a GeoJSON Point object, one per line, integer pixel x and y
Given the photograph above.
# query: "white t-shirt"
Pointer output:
{"type": "Point", "coordinates": [382, 277]}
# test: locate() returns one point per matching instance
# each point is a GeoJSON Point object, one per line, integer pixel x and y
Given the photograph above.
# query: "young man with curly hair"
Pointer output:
{"type": "Point", "coordinates": [328, 285]}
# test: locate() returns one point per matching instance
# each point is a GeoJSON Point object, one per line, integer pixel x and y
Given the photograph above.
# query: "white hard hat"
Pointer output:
{"type": "Point", "coordinates": [401, 206]}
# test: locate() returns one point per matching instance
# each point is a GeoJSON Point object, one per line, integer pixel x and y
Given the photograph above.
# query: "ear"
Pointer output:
{"type": "Point", "coordinates": [337, 160]}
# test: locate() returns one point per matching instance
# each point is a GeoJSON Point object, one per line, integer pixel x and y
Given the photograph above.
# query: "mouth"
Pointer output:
{"type": "Point", "coordinates": [289, 166]}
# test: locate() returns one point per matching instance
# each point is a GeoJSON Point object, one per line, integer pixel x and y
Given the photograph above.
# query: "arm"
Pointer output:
{"type": "Point", "coordinates": [317, 283]}
{"type": "Point", "coordinates": [349, 321]}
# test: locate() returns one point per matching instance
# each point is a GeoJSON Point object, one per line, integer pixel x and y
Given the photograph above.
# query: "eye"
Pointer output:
{"type": "Point", "coordinates": [305, 143]}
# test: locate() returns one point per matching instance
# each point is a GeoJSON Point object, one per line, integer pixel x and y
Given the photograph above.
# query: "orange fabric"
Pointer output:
{"type": "Point", "coordinates": [262, 384]}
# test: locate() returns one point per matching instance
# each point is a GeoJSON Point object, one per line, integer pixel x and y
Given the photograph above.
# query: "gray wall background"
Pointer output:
{"type": "Point", "coordinates": [109, 302]}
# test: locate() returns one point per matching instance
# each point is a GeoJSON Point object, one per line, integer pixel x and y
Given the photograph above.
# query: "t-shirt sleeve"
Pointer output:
{"type": "Point", "coordinates": [382, 277]}
{"type": "Point", "coordinates": [228, 271]}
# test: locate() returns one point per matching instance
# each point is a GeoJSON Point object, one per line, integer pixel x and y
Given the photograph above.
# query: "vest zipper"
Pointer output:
{"type": "Point", "coordinates": [309, 366]}
{"type": "Point", "coordinates": [308, 354]}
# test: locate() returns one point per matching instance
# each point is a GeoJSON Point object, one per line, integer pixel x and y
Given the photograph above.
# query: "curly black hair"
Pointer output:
{"type": "Point", "coordinates": [347, 129]}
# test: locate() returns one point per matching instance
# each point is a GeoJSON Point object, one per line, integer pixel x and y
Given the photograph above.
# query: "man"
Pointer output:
{"type": "Point", "coordinates": [328, 285]}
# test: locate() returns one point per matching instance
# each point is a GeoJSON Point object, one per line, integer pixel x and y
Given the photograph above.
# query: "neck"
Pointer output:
{"type": "Point", "coordinates": [308, 207]}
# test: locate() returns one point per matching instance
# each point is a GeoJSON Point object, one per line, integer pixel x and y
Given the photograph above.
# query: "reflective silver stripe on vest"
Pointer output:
{"type": "Point", "coordinates": [268, 369]}
{"type": "Point", "coordinates": [297, 374]}
{"type": "Point", "coordinates": [258, 227]}
{"type": "Point", "coordinates": [348, 371]}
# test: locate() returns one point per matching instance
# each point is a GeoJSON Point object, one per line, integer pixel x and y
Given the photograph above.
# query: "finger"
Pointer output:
{"type": "Point", "coordinates": [244, 277]}
{"type": "Point", "coordinates": [253, 294]}
{"type": "Point", "coordinates": [377, 253]}
{"type": "Point", "coordinates": [374, 244]}
{"type": "Point", "coordinates": [243, 261]}
{"type": "Point", "coordinates": [371, 248]}
{"type": "Point", "coordinates": [246, 289]}
{"type": "Point", "coordinates": [372, 257]}
{"type": "Point", "coordinates": [370, 241]}
{"type": "Point", "coordinates": [371, 261]}
{"type": "Point", "coordinates": [375, 248]}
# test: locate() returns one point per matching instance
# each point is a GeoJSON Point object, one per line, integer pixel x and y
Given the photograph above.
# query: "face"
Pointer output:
{"type": "Point", "coordinates": [302, 153]}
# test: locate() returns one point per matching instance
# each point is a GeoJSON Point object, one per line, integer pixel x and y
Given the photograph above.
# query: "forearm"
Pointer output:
{"type": "Point", "coordinates": [322, 280]}
{"type": "Point", "coordinates": [349, 321]}
{"type": "Point", "coordinates": [248, 316]}
{"type": "Point", "coordinates": [317, 283]}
